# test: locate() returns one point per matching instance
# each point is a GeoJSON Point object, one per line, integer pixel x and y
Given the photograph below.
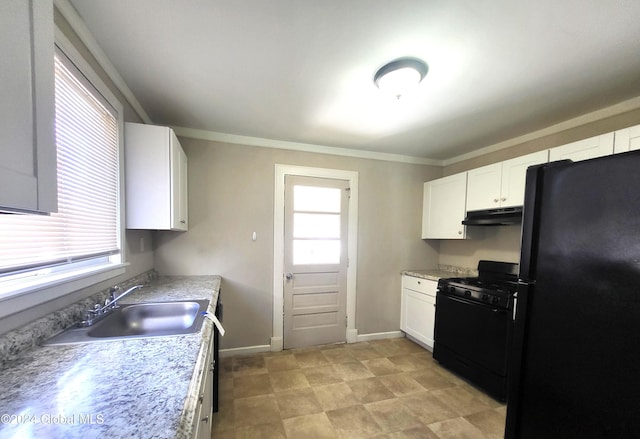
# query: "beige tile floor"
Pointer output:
{"type": "Point", "coordinates": [382, 389]}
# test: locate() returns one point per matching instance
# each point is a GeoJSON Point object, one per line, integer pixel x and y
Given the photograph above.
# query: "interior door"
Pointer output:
{"type": "Point", "coordinates": [315, 261]}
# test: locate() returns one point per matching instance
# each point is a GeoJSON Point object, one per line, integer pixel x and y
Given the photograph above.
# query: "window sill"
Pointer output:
{"type": "Point", "coordinates": [19, 296]}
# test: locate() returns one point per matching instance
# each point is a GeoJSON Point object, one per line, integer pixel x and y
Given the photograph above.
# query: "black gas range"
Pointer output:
{"type": "Point", "coordinates": [474, 323]}
{"type": "Point", "coordinates": [495, 284]}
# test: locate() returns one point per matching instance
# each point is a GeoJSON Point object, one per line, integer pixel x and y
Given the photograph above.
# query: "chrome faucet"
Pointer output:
{"type": "Point", "coordinates": [98, 312]}
{"type": "Point", "coordinates": [111, 302]}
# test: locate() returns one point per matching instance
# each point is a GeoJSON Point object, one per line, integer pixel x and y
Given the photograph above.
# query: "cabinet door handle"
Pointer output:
{"type": "Point", "coordinates": [183, 222]}
{"type": "Point", "coordinates": [201, 398]}
{"type": "Point", "coordinates": [205, 419]}
{"type": "Point", "coordinates": [459, 232]}
{"type": "Point", "coordinates": [503, 199]}
{"type": "Point", "coordinates": [495, 200]}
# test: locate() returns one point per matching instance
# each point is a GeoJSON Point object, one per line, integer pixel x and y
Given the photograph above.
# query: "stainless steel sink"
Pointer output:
{"type": "Point", "coordinates": [139, 320]}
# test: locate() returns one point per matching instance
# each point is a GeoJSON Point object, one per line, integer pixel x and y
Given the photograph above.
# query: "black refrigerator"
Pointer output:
{"type": "Point", "coordinates": [575, 357]}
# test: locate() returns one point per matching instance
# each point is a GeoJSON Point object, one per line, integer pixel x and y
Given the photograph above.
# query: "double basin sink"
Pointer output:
{"type": "Point", "coordinates": [139, 320]}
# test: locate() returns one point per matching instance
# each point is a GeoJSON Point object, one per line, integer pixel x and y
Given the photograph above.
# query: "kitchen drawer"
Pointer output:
{"type": "Point", "coordinates": [421, 285]}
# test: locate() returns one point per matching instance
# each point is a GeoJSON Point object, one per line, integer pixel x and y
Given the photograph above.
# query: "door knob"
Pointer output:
{"type": "Point", "coordinates": [289, 276]}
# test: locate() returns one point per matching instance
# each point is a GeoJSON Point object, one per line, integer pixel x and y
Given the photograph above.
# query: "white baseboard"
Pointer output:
{"type": "Point", "coordinates": [380, 335]}
{"type": "Point", "coordinates": [244, 351]}
{"type": "Point", "coordinates": [416, 341]}
{"type": "Point", "coordinates": [277, 344]}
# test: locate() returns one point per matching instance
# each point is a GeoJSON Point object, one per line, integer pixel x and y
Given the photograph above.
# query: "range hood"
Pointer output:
{"type": "Point", "coordinates": [494, 217]}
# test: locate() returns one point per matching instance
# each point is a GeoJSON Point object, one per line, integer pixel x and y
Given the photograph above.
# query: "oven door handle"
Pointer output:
{"type": "Point", "coordinates": [466, 301]}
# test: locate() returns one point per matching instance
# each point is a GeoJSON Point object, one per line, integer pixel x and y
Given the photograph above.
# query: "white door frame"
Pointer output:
{"type": "Point", "coordinates": [278, 247]}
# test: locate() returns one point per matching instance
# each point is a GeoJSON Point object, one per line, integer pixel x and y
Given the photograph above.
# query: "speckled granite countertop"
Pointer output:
{"type": "Point", "coordinates": [142, 388]}
{"type": "Point", "coordinates": [443, 271]}
{"type": "Point", "coordinates": [429, 274]}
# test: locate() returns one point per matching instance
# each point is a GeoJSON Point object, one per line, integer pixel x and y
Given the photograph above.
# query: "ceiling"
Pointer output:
{"type": "Point", "coordinates": [302, 70]}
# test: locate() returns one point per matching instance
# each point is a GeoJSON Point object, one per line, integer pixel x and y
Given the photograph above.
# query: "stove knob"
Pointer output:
{"type": "Point", "coordinates": [467, 293]}
{"type": "Point", "coordinates": [495, 299]}
{"type": "Point", "coordinates": [452, 289]}
{"type": "Point", "coordinates": [485, 297]}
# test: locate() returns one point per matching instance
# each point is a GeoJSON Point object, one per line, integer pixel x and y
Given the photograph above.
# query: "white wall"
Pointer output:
{"type": "Point", "coordinates": [231, 195]}
{"type": "Point", "coordinates": [500, 243]}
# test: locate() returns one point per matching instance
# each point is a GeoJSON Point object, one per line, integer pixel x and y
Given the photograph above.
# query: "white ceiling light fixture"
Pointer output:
{"type": "Point", "coordinates": [400, 75]}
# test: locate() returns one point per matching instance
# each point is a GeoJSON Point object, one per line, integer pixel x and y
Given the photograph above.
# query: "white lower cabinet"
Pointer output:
{"type": "Point", "coordinates": [204, 411]}
{"type": "Point", "coordinates": [418, 312]}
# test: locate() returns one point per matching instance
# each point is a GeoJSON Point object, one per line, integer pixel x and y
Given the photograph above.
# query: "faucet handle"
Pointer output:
{"type": "Point", "coordinates": [93, 311]}
{"type": "Point", "coordinates": [112, 293]}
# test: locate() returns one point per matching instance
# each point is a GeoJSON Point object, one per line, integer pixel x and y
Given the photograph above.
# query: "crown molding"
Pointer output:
{"type": "Point", "coordinates": [296, 146]}
{"type": "Point", "coordinates": [80, 28]}
{"type": "Point", "coordinates": [594, 116]}
{"type": "Point", "coordinates": [85, 35]}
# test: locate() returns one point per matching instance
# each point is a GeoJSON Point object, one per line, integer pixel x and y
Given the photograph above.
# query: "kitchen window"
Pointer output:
{"type": "Point", "coordinates": [84, 237]}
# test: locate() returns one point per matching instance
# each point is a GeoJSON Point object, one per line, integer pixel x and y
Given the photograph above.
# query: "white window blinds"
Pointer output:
{"type": "Point", "coordinates": [86, 225]}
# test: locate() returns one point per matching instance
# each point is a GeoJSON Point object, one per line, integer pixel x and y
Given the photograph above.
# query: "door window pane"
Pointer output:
{"type": "Point", "coordinates": [316, 225]}
{"type": "Point", "coordinates": [316, 199]}
{"type": "Point", "coordinates": [316, 251]}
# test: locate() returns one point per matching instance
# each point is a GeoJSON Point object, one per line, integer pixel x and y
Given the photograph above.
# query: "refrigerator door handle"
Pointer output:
{"type": "Point", "coordinates": [515, 305]}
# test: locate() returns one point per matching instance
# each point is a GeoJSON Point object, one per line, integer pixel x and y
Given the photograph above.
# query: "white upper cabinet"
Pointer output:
{"type": "Point", "coordinates": [627, 139]}
{"type": "Point", "coordinates": [590, 148]}
{"type": "Point", "coordinates": [514, 175]}
{"type": "Point", "coordinates": [443, 208]}
{"type": "Point", "coordinates": [501, 184]}
{"type": "Point", "coordinates": [483, 187]}
{"type": "Point", "coordinates": [156, 178]}
{"type": "Point", "coordinates": [27, 141]}
{"type": "Point", "coordinates": [180, 205]}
